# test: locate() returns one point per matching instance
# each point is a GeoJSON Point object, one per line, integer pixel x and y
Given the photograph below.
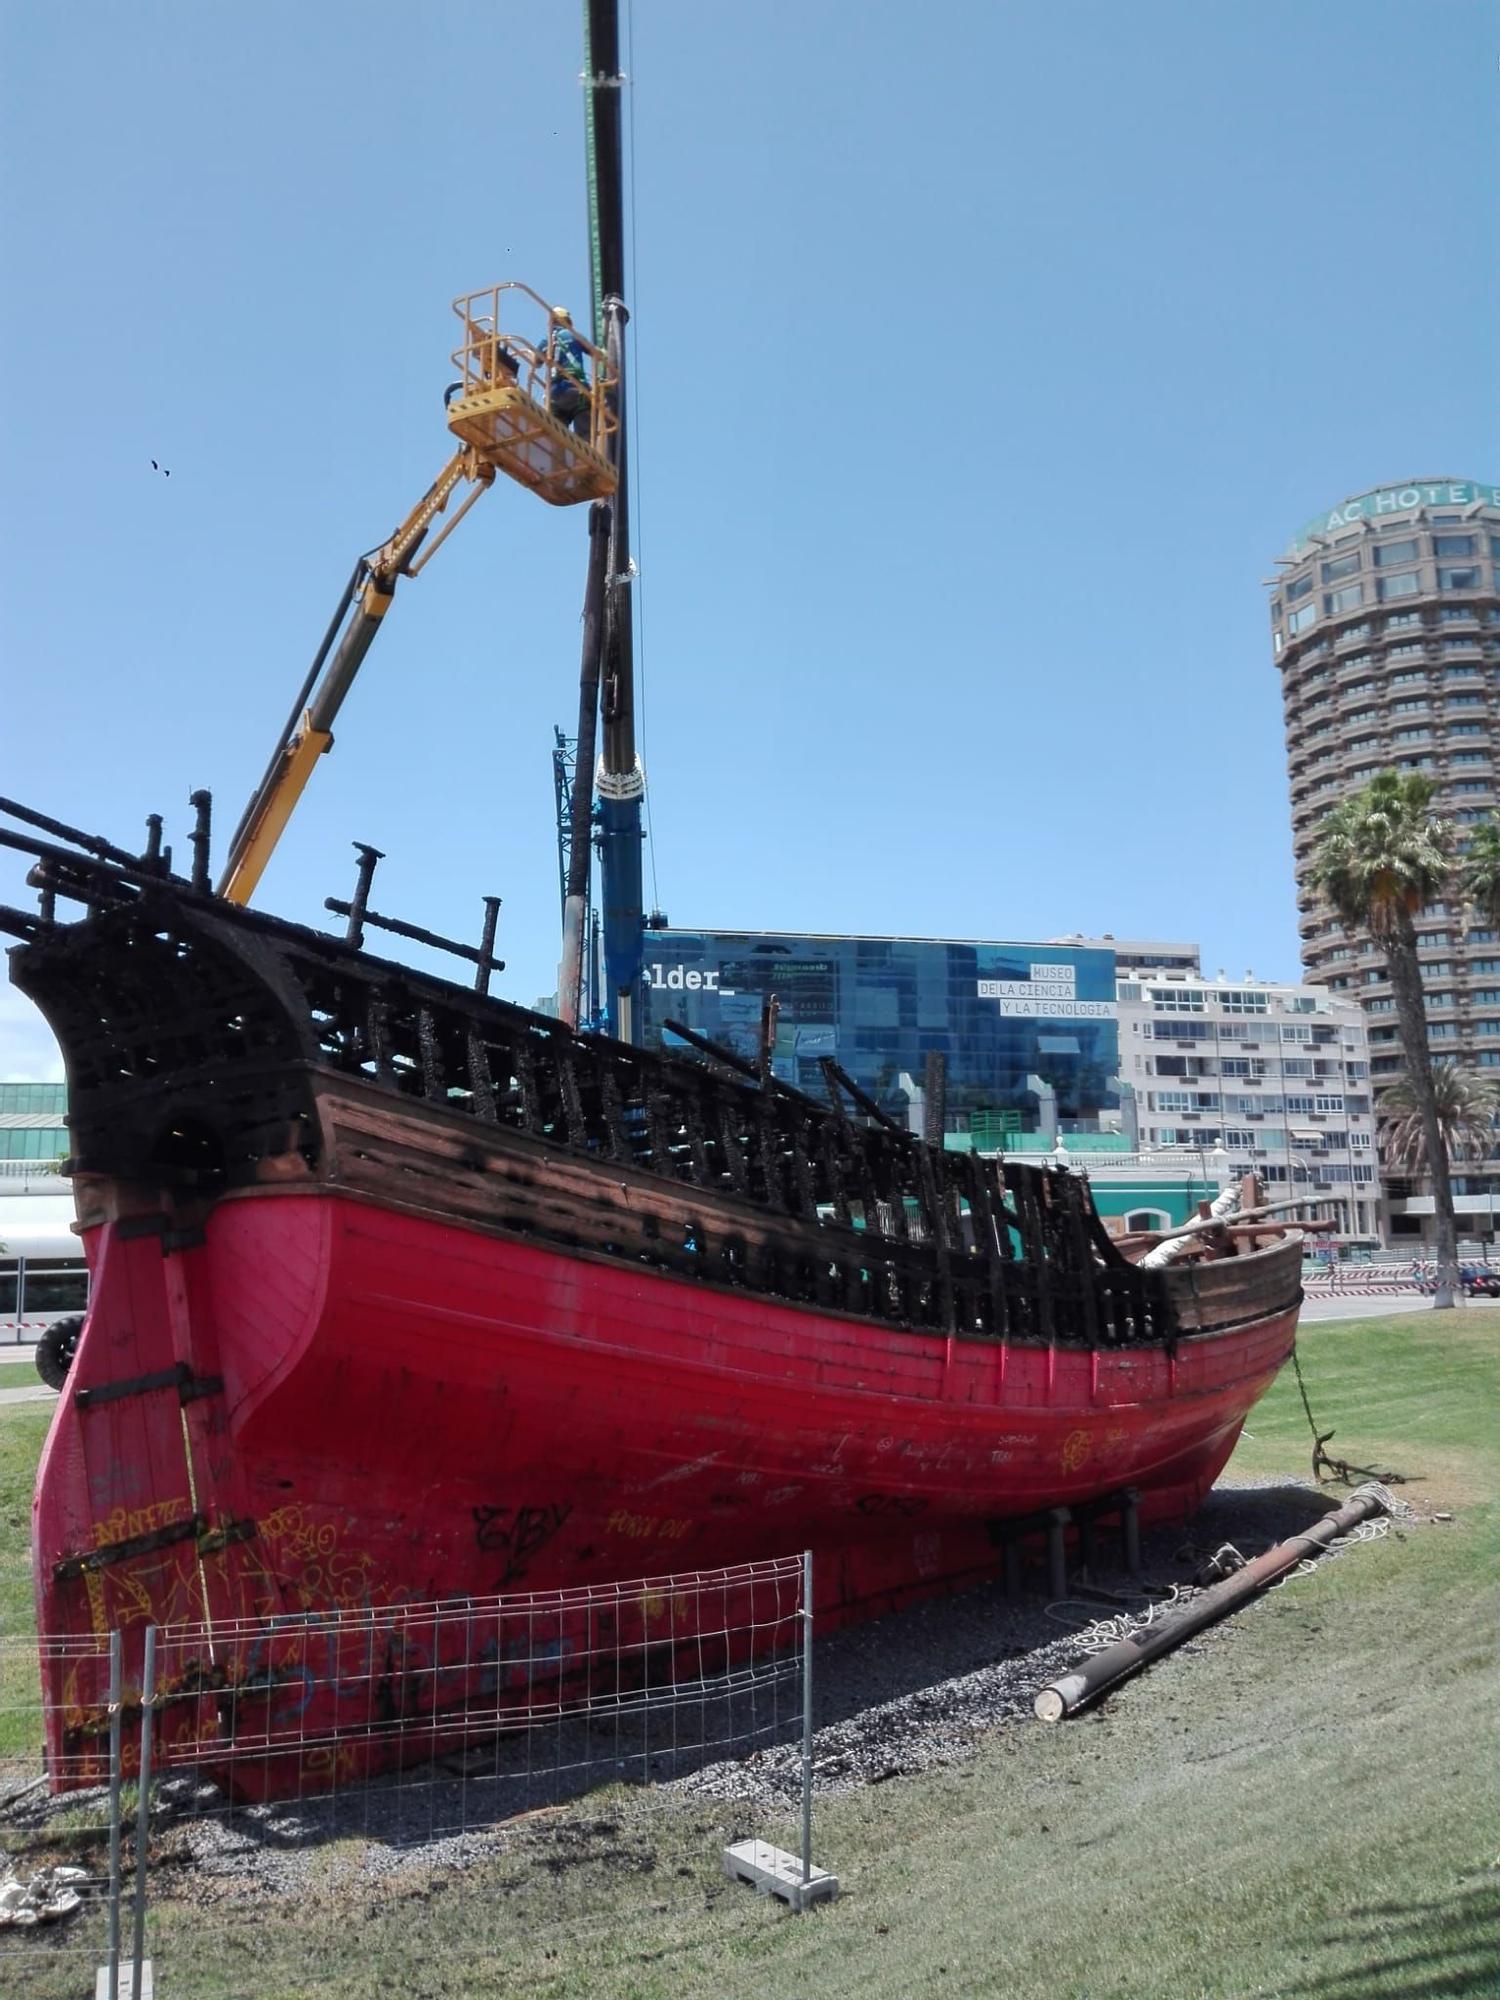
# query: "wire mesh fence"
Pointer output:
{"type": "Point", "coordinates": [61, 1820]}
{"type": "Point", "coordinates": [237, 1753]}
{"type": "Point", "coordinates": [478, 1707]}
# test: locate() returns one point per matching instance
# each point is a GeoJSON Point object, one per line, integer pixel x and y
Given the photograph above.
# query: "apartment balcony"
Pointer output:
{"type": "Point", "coordinates": [1352, 635]}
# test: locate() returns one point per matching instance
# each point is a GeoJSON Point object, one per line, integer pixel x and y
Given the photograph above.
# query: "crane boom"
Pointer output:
{"type": "Point", "coordinates": [309, 730]}
{"type": "Point", "coordinates": [521, 406]}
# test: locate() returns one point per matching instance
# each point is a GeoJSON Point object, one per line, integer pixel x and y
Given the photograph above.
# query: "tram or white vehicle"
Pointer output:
{"type": "Point", "coordinates": [42, 1274]}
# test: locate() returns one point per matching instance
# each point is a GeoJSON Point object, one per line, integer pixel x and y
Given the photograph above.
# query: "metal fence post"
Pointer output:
{"type": "Point", "coordinates": [113, 1983]}
{"type": "Point", "coordinates": [807, 1714]}
{"type": "Point", "coordinates": [143, 1815]}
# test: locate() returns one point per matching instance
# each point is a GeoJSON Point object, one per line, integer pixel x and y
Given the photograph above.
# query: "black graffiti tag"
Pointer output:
{"type": "Point", "coordinates": [870, 1504]}
{"type": "Point", "coordinates": [517, 1533]}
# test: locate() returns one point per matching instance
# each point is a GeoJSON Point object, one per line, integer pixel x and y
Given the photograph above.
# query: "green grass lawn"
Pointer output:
{"type": "Point", "coordinates": [22, 1429]}
{"type": "Point", "coordinates": [19, 1375]}
{"type": "Point", "coordinates": [1305, 1808]}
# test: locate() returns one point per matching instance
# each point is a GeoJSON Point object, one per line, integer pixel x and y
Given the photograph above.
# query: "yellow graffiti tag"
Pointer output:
{"type": "Point", "coordinates": [647, 1527]}
{"type": "Point", "coordinates": [125, 1523]}
{"type": "Point", "coordinates": [326, 1575]}
{"type": "Point", "coordinates": [1076, 1447]}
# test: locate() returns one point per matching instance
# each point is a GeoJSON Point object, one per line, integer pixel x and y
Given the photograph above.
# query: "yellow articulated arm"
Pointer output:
{"type": "Point", "coordinates": [253, 847]}
{"type": "Point", "coordinates": [309, 730]}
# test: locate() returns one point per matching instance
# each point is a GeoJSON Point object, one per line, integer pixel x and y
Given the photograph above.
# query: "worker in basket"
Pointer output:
{"type": "Point", "coordinates": [568, 397]}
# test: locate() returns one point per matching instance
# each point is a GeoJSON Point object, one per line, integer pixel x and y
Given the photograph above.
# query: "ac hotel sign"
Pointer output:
{"type": "Point", "coordinates": [1399, 500]}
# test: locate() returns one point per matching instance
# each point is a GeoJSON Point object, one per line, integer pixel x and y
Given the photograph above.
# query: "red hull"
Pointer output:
{"type": "Point", "coordinates": [338, 1405]}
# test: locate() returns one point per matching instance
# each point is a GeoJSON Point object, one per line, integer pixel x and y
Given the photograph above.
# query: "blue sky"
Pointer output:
{"type": "Point", "coordinates": [985, 356]}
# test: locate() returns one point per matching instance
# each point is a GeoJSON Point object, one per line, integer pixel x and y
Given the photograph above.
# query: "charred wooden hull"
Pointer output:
{"type": "Point", "coordinates": [345, 1406]}
{"type": "Point", "coordinates": [403, 1295]}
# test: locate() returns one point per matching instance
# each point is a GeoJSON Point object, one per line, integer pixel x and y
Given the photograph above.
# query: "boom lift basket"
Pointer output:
{"type": "Point", "coordinates": [511, 405]}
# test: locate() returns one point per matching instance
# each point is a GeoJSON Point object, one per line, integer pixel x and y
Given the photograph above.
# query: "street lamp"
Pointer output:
{"type": "Point", "coordinates": [1303, 1161]}
{"type": "Point", "coordinates": [1203, 1154]}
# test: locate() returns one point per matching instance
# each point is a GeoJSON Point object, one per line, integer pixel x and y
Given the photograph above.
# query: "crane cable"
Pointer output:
{"type": "Point", "coordinates": [591, 181]}
{"type": "Point", "coordinates": [635, 463]}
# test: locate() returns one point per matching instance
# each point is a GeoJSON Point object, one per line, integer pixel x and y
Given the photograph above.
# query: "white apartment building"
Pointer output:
{"type": "Point", "coordinates": [1276, 1075]}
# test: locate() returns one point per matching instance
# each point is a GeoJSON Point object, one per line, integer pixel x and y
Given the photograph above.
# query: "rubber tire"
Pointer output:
{"type": "Point", "coordinates": [56, 1348]}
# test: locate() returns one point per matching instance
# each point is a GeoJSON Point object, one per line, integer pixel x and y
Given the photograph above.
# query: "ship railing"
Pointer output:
{"type": "Point", "coordinates": [862, 1217]}
{"type": "Point", "coordinates": [858, 1217]}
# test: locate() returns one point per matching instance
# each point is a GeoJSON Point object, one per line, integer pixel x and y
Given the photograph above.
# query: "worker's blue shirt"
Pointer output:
{"type": "Point", "coordinates": [568, 356]}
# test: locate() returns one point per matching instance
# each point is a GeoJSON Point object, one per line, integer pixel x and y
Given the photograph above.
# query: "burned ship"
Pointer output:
{"type": "Point", "coordinates": [403, 1295]}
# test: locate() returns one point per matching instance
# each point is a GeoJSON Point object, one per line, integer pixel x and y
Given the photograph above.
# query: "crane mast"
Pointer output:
{"type": "Point", "coordinates": [619, 781]}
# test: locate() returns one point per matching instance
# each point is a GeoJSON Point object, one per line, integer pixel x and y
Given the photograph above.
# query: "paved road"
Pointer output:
{"type": "Point", "coordinates": [40, 1394]}
{"type": "Point", "coordinates": [1351, 1305]}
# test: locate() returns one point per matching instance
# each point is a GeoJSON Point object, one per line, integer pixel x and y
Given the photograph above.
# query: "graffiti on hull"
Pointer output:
{"type": "Point", "coordinates": [518, 1534]}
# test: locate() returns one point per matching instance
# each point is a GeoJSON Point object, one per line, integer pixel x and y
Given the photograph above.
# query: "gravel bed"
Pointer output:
{"type": "Point", "coordinates": [893, 1697]}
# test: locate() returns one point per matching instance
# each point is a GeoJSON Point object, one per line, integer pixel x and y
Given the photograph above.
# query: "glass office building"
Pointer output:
{"type": "Point", "coordinates": [1028, 1030]}
{"type": "Point", "coordinates": [33, 1121]}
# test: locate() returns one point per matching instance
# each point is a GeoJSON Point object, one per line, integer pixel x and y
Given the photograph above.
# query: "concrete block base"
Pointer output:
{"type": "Point", "coordinates": [126, 1987]}
{"type": "Point", "coordinates": [771, 1871]}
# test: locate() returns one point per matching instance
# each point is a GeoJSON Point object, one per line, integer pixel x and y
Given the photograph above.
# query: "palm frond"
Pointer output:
{"type": "Point", "coordinates": [1383, 853]}
{"type": "Point", "coordinates": [1466, 1108]}
{"type": "Point", "coordinates": [1479, 873]}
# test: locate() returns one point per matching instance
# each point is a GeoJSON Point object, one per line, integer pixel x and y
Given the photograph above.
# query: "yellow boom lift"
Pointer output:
{"type": "Point", "coordinates": [506, 410]}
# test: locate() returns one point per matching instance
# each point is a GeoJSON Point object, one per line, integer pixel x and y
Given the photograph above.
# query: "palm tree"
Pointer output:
{"type": "Point", "coordinates": [1479, 873]}
{"type": "Point", "coordinates": [1383, 854]}
{"type": "Point", "coordinates": [1466, 1106]}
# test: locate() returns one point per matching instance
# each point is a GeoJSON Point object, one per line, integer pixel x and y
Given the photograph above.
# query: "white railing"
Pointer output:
{"type": "Point", "coordinates": [1164, 1164]}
